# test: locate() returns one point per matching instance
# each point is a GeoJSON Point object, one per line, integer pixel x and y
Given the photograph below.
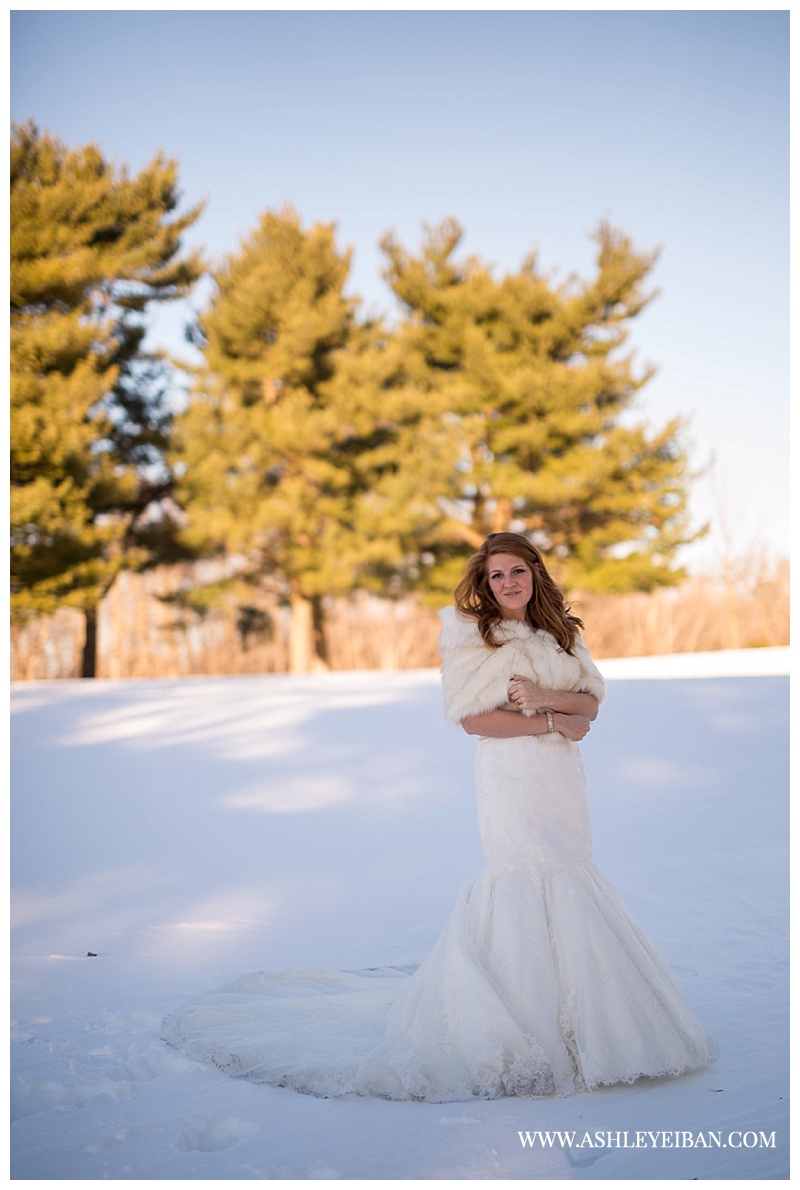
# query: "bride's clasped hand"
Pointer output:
{"type": "Point", "coordinates": [529, 697]}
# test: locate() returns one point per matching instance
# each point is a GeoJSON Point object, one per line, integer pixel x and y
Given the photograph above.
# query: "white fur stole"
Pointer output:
{"type": "Point", "coordinates": [475, 678]}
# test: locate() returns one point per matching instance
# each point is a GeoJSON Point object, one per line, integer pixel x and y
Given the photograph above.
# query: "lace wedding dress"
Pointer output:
{"type": "Point", "coordinates": [541, 983]}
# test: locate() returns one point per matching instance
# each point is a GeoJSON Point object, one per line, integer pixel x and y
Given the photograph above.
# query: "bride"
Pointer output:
{"type": "Point", "coordinates": [541, 982]}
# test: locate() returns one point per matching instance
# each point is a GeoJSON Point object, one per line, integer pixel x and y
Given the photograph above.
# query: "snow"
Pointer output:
{"type": "Point", "coordinates": [187, 832]}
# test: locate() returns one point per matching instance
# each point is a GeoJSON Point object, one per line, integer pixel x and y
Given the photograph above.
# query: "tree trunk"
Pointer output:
{"type": "Point", "coordinates": [308, 650]}
{"type": "Point", "coordinates": [301, 647]}
{"type": "Point", "coordinates": [501, 519]}
{"type": "Point", "coordinates": [307, 644]}
{"type": "Point", "coordinates": [321, 659]}
{"type": "Point", "coordinates": [89, 656]}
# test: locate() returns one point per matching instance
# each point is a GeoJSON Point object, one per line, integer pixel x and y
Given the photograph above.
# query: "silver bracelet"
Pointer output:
{"type": "Point", "coordinates": [549, 713]}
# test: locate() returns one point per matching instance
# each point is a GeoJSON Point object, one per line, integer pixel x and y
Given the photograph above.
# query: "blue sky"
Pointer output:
{"type": "Point", "coordinates": [528, 127]}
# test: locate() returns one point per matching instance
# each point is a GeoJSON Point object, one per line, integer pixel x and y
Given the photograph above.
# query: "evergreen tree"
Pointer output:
{"type": "Point", "coordinates": [91, 248]}
{"type": "Point", "coordinates": [279, 445]}
{"type": "Point", "coordinates": [532, 398]}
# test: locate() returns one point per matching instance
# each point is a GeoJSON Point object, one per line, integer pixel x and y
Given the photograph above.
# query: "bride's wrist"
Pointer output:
{"type": "Point", "coordinates": [545, 720]}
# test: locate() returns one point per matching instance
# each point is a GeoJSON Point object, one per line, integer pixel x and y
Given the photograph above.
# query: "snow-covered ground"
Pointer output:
{"type": "Point", "coordinates": [187, 832]}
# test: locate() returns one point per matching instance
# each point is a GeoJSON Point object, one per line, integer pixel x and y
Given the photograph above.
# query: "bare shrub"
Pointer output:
{"type": "Point", "coordinates": [364, 632]}
{"type": "Point", "coordinates": [47, 647]}
{"type": "Point", "coordinates": [705, 613]}
{"type": "Point", "coordinates": [146, 628]}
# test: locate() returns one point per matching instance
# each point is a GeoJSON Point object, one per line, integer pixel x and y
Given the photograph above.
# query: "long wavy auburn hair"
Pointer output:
{"type": "Point", "coordinates": [546, 607]}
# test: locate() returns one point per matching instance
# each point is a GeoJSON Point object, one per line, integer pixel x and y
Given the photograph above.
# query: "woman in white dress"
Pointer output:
{"type": "Point", "coordinates": [541, 982]}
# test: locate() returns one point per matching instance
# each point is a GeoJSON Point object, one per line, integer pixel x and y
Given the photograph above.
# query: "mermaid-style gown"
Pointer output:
{"type": "Point", "coordinates": [541, 983]}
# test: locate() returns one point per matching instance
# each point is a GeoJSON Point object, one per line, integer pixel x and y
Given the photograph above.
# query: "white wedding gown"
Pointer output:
{"type": "Point", "coordinates": [541, 983]}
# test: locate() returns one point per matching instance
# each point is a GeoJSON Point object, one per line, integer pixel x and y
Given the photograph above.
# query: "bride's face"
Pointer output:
{"type": "Point", "coordinates": [511, 582]}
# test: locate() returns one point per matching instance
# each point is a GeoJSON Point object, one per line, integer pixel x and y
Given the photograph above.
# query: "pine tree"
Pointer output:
{"type": "Point", "coordinates": [533, 396]}
{"type": "Point", "coordinates": [281, 441]}
{"type": "Point", "coordinates": [91, 249]}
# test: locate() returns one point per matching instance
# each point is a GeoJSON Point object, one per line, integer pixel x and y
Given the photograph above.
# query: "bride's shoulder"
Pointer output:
{"type": "Point", "coordinates": [458, 629]}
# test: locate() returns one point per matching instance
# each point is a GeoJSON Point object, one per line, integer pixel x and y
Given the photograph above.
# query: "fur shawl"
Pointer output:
{"type": "Point", "coordinates": [475, 677]}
